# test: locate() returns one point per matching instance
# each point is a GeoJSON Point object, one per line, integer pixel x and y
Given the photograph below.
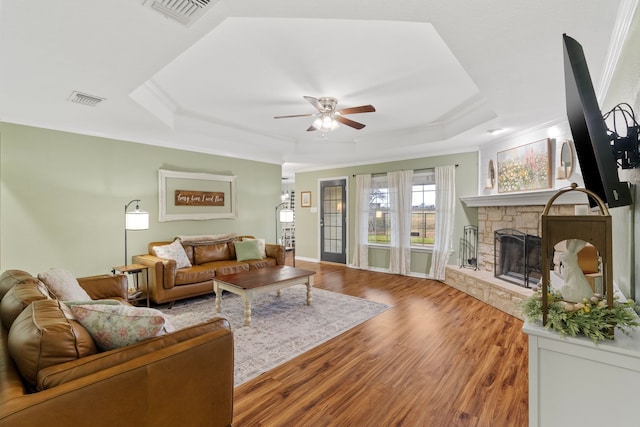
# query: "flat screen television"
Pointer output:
{"type": "Point", "coordinates": [590, 137]}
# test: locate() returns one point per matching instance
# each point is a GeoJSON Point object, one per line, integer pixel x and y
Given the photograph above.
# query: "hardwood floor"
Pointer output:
{"type": "Point", "coordinates": [438, 357]}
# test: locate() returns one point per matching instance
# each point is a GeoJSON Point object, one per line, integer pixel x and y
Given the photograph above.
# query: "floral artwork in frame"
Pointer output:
{"type": "Point", "coordinates": [524, 168]}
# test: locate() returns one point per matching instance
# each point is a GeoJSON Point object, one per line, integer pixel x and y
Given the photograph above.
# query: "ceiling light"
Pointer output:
{"type": "Point", "coordinates": [325, 123]}
{"type": "Point", "coordinates": [496, 131]}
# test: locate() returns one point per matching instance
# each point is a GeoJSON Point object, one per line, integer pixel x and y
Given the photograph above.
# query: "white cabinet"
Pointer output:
{"type": "Point", "coordinates": [573, 381]}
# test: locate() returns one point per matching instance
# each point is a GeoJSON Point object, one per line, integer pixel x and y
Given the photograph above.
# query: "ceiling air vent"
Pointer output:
{"type": "Point", "coordinates": [184, 11]}
{"type": "Point", "coordinates": [85, 99]}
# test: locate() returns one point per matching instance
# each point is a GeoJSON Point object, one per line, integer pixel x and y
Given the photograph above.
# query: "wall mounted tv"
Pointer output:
{"type": "Point", "coordinates": [590, 137]}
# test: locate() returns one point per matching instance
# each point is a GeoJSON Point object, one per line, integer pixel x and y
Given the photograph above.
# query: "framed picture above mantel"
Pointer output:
{"type": "Point", "coordinates": [524, 168]}
{"type": "Point", "coordinates": [195, 196]}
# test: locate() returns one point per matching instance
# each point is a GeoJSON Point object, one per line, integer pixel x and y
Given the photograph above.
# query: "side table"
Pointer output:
{"type": "Point", "coordinates": [135, 295]}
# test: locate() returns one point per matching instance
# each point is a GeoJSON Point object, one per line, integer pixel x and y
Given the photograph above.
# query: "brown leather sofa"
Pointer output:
{"type": "Point", "coordinates": [208, 257]}
{"type": "Point", "coordinates": [180, 378]}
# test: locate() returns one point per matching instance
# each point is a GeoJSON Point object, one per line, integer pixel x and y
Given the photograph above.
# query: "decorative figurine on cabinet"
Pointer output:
{"type": "Point", "coordinates": [576, 287]}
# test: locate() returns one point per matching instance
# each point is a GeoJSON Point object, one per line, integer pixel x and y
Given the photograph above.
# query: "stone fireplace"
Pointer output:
{"type": "Point", "coordinates": [525, 219]}
{"type": "Point", "coordinates": [521, 211]}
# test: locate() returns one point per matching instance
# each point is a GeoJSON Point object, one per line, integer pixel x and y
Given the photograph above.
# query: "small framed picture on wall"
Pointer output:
{"type": "Point", "coordinates": [305, 199]}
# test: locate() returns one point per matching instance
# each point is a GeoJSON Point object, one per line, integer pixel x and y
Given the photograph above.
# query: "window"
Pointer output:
{"type": "Point", "coordinates": [423, 211]}
{"type": "Point", "coordinates": [379, 219]}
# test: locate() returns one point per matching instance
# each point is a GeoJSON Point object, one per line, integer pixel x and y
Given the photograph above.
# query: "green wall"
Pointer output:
{"type": "Point", "coordinates": [307, 231]}
{"type": "Point", "coordinates": [62, 198]}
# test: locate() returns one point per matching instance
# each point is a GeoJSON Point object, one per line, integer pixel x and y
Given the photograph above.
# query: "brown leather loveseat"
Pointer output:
{"type": "Point", "coordinates": [179, 378]}
{"type": "Point", "coordinates": [208, 256]}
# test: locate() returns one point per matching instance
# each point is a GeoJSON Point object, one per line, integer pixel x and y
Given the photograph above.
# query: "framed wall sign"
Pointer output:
{"type": "Point", "coordinates": [524, 168]}
{"type": "Point", "coordinates": [195, 196]}
{"type": "Point", "coordinates": [305, 199]}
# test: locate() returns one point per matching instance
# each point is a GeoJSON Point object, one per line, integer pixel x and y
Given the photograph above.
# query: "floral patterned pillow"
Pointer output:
{"type": "Point", "coordinates": [173, 251]}
{"type": "Point", "coordinates": [114, 326]}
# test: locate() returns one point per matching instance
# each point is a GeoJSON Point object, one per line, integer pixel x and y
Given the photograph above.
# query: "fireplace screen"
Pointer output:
{"type": "Point", "coordinates": [517, 257]}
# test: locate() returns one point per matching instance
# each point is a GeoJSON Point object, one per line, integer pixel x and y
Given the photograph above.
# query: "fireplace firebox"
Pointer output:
{"type": "Point", "coordinates": [517, 257]}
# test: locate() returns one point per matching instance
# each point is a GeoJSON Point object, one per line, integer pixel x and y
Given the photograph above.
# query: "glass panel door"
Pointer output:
{"type": "Point", "coordinates": [333, 214]}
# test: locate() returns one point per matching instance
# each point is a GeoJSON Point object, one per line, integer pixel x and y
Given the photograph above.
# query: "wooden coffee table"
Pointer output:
{"type": "Point", "coordinates": [254, 282]}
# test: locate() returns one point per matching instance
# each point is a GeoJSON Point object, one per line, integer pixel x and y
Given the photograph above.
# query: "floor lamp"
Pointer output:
{"type": "Point", "coordinates": [134, 220]}
{"type": "Point", "coordinates": [286, 215]}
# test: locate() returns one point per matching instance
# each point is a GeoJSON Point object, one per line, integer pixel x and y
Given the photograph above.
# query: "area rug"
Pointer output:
{"type": "Point", "coordinates": [281, 327]}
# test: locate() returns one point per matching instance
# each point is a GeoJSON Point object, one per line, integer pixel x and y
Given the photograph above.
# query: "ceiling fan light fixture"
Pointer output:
{"type": "Point", "coordinates": [325, 123]}
{"type": "Point", "coordinates": [327, 117]}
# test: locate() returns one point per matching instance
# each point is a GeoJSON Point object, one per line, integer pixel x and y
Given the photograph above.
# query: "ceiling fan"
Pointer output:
{"type": "Point", "coordinates": [327, 117]}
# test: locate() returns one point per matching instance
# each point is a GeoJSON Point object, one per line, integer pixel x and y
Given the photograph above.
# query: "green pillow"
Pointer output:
{"type": "Point", "coordinates": [247, 249]}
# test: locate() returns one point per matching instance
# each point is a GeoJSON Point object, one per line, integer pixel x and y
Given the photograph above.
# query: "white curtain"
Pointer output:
{"type": "Point", "coordinates": [445, 210]}
{"type": "Point", "coordinates": [400, 187]}
{"type": "Point", "coordinates": [361, 252]}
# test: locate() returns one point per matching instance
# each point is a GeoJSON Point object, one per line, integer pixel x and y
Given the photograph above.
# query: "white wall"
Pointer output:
{"type": "Point", "coordinates": [625, 87]}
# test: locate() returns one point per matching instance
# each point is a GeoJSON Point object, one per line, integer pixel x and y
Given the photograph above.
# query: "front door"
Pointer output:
{"type": "Point", "coordinates": [333, 221]}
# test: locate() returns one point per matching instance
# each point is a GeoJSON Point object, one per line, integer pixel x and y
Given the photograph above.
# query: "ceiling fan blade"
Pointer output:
{"type": "Point", "coordinates": [348, 122]}
{"type": "Point", "coordinates": [356, 110]}
{"type": "Point", "coordinates": [294, 115]}
{"type": "Point", "coordinates": [312, 127]}
{"type": "Point", "coordinates": [314, 102]}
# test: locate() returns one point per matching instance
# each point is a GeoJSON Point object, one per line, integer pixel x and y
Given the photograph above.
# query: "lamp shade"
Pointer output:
{"type": "Point", "coordinates": [136, 220]}
{"type": "Point", "coordinates": [286, 215]}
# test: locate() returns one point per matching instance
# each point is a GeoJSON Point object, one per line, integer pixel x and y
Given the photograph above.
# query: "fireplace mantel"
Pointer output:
{"type": "Point", "coordinates": [530, 198]}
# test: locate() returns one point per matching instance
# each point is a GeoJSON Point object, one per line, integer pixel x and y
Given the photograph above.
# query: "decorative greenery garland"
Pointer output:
{"type": "Point", "coordinates": [591, 317]}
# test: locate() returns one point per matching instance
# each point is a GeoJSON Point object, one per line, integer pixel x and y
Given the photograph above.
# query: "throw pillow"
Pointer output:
{"type": "Point", "coordinates": [45, 334]}
{"type": "Point", "coordinates": [173, 251]}
{"type": "Point", "coordinates": [8, 278]}
{"type": "Point", "coordinates": [261, 246]}
{"type": "Point", "coordinates": [114, 326]}
{"type": "Point", "coordinates": [63, 285]}
{"type": "Point", "coordinates": [18, 298]}
{"type": "Point", "coordinates": [247, 249]}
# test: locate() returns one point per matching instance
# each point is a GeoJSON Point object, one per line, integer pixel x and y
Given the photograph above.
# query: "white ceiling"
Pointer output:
{"type": "Point", "coordinates": [440, 73]}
